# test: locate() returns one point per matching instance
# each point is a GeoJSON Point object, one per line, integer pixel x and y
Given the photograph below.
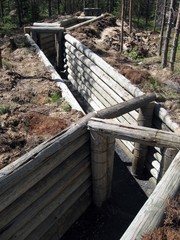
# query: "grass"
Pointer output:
{"type": "Point", "coordinates": [55, 97]}
{"type": "Point", "coordinates": [4, 109]}
{"type": "Point", "coordinates": [66, 107]}
{"type": "Point", "coordinates": [7, 65]}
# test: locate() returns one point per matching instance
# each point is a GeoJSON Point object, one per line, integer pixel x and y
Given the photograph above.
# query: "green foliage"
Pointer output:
{"type": "Point", "coordinates": [55, 97]}
{"type": "Point", "coordinates": [66, 107]}
{"type": "Point", "coordinates": [4, 109]}
{"type": "Point", "coordinates": [7, 65]}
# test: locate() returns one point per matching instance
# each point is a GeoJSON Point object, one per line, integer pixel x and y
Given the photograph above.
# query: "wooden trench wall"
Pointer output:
{"type": "Point", "coordinates": [102, 86]}
{"type": "Point", "coordinates": [46, 190]}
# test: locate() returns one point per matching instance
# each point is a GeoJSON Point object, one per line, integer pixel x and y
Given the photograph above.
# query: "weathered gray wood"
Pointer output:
{"type": "Point", "coordinates": [47, 29]}
{"type": "Point", "coordinates": [43, 185]}
{"type": "Point", "coordinates": [35, 170]}
{"type": "Point", "coordinates": [140, 150]}
{"type": "Point", "coordinates": [101, 149]}
{"type": "Point", "coordinates": [66, 93]}
{"type": "Point", "coordinates": [84, 61]}
{"type": "Point", "coordinates": [85, 23]}
{"type": "Point", "coordinates": [168, 156]}
{"type": "Point", "coordinates": [124, 82]}
{"type": "Point", "coordinates": [46, 24]}
{"type": "Point", "coordinates": [36, 213]}
{"type": "Point", "coordinates": [64, 216]}
{"type": "Point", "coordinates": [161, 113]}
{"type": "Point", "coordinates": [144, 135]}
{"type": "Point", "coordinates": [151, 214]}
{"type": "Point", "coordinates": [95, 83]}
{"type": "Point", "coordinates": [125, 107]}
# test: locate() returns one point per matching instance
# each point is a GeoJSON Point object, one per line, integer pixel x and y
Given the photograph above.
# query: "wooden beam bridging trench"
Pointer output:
{"type": "Point", "coordinates": [143, 135]}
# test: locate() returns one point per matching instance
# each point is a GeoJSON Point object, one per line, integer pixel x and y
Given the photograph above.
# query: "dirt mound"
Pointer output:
{"type": "Point", "coordinates": [31, 105]}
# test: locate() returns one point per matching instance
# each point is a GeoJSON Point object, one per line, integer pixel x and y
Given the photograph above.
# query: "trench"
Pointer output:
{"type": "Point", "coordinates": [127, 197]}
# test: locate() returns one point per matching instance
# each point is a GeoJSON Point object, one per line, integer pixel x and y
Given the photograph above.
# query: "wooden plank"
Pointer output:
{"type": "Point", "coordinates": [35, 171]}
{"type": "Point", "coordinates": [29, 219]}
{"type": "Point", "coordinates": [46, 24]}
{"type": "Point", "coordinates": [151, 214]}
{"type": "Point", "coordinates": [64, 216]}
{"type": "Point", "coordinates": [144, 135]}
{"type": "Point", "coordinates": [66, 93]}
{"type": "Point", "coordinates": [43, 185]}
{"type": "Point", "coordinates": [124, 82]}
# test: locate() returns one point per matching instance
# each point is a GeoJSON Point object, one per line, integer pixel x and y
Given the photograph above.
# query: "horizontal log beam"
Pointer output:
{"type": "Point", "coordinates": [125, 107]}
{"type": "Point", "coordinates": [144, 135]}
{"type": "Point", "coordinates": [47, 29]}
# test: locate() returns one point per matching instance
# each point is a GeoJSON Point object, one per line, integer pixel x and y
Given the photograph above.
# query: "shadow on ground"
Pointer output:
{"type": "Point", "coordinates": [111, 220]}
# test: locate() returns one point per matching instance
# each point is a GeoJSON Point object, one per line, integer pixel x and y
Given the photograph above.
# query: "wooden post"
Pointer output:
{"type": "Point", "coordinates": [140, 150]}
{"type": "Point", "coordinates": [168, 155]}
{"type": "Point", "coordinates": [59, 49]}
{"type": "Point", "coordinates": [102, 157]}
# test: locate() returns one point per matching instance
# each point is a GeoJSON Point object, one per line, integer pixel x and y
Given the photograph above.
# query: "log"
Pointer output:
{"type": "Point", "coordinates": [102, 157]}
{"type": "Point", "coordinates": [151, 214]}
{"type": "Point", "coordinates": [161, 113]}
{"type": "Point", "coordinates": [124, 82]}
{"type": "Point", "coordinates": [64, 216]}
{"type": "Point", "coordinates": [75, 69]}
{"type": "Point", "coordinates": [140, 150]}
{"type": "Point", "coordinates": [29, 219]}
{"type": "Point", "coordinates": [43, 185]}
{"type": "Point", "coordinates": [90, 66]}
{"type": "Point", "coordinates": [144, 135]}
{"type": "Point", "coordinates": [46, 29]}
{"type": "Point", "coordinates": [85, 23]}
{"type": "Point", "coordinates": [55, 76]}
{"type": "Point", "coordinates": [36, 170]}
{"type": "Point", "coordinates": [46, 24]}
{"type": "Point", "coordinates": [168, 156]}
{"type": "Point", "coordinates": [125, 107]}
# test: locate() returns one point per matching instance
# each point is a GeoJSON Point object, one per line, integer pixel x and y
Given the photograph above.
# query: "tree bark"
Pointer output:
{"type": "Point", "coordinates": [130, 15]}
{"type": "Point", "coordinates": [50, 8]}
{"type": "Point", "coordinates": [155, 16]}
{"type": "Point", "coordinates": [162, 28]}
{"type": "Point", "coordinates": [168, 33]}
{"type": "Point", "coordinates": [175, 41]}
{"type": "Point", "coordinates": [1, 9]}
{"type": "Point", "coordinates": [122, 25]}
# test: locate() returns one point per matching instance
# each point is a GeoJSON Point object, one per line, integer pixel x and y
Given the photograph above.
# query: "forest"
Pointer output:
{"type": "Point", "coordinates": [154, 15]}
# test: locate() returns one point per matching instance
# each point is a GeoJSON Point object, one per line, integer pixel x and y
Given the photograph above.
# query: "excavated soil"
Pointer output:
{"type": "Point", "coordinates": [31, 107]}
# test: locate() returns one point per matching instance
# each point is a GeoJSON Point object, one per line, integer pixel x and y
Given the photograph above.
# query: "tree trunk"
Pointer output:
{"type": "Point", "coordinates": [122, 25]}
{"type": "Point", "coordinates": [175, 41]}
{"type": "Point", "coordinates": [1, 9]}
{"type": "Point", "coordinates": [19, 11]}
{"type": "Point", "coordinates": [147, 12]}
{"type": "Point", "coordinates": [155, 16]}
{"type": "Point", "coordinates": [162, 28]}
{"type": "Point", "coordinates": [130, 15]}
{"type": "Point", "coordinates": [168, 33]}
{"type": "Point", "coordinates": [58, 6]}
{"type": "Point", "coordinates": [50, 8]}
